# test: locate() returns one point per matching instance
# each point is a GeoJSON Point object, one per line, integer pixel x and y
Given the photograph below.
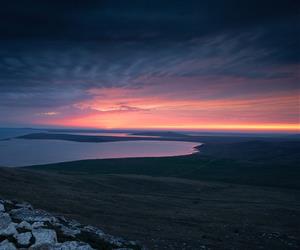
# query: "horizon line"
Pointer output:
{"type": "Point", "coordinates": [269, 129]}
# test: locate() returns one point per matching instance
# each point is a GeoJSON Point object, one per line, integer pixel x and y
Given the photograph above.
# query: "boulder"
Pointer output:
{"type": "Point", "coordinates": [39, 230]}
{"type": "Point", "coordinates": [122, 248]}
{"type": "Point", "coordinates": [68, 245]}
{"type": "Point", "coordinates": [5, 220]}
{"type": "Point", "coordinates": [38, 224]}
{"type": "Point", "coordinates": [74, 223]}
{"type": "Point", "coordinates": [24, 205]}
{"type": "Point", "coordinates": [6, 245]}
{"type": "Point", "coordinates": [23, 239]}
{"type": "Point", "coordinates": [24, 225]}
{"type": "Point", "coordinates": [68, 231]}
{"type": "Point", "coordinates": [42, 247]}
{"type": "Point", "coordinates": [72, 245]}
{"type": "Point", "coordinates": [94, 230]}
{"type": "Point", "coordinates": [27, 214]}
{"type": "Point", "coordinates": [9, 230]}
{"type": "Point", "coordinates": [2, 208]}
{"type": "Point", "coordinates": [44, 236]}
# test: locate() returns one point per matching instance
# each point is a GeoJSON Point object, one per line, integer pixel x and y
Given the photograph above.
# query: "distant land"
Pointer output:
{"type": "Point", "coordinates": [240, 190]}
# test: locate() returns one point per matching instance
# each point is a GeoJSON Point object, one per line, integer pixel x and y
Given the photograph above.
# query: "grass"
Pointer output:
{"type": "Point", "coordinates": [262, 163]}
{"type": "Point", "coordinates": [233, 195]}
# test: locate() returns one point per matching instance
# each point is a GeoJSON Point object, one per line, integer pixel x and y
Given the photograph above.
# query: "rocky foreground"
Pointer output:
{"type": "Point", "coordinates": [23, 227]}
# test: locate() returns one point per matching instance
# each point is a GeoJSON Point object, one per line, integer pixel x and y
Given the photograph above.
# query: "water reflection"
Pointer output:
{"type": "Point", "coordinates": [20, 152]}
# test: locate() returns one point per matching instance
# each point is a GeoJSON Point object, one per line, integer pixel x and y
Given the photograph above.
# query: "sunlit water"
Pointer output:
{"type": "Point", "coordinates": [22, 152]}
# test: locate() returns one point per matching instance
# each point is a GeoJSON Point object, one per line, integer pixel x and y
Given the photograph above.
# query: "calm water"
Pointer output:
{"type": "Point", "coordinates": [20, 152]}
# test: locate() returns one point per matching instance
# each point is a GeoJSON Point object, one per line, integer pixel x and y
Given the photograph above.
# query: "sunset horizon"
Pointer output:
{"type": "Point", "coordinates": [134, 69]}
{"type": "Point", "coordinates": [149, 124]}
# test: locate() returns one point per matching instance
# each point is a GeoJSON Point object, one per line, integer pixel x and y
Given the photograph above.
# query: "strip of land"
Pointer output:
{"type": "Point", "coordinates": [236, 193]}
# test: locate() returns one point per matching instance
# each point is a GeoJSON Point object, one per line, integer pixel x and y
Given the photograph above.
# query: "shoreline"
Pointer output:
{"type": "Point", "coordinates": [107, 151]}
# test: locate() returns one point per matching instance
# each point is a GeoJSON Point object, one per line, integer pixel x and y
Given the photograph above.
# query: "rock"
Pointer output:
{"type": "Point", "coordinates": [2, 208]}
{"type": "Point", "coordinates": [23, 239]}
{"type": "Point", "coordinates": [24, 225]}
{"type": "Point", "coordinates": [74, 223]}
{"type": "Point", "coordinates": [69, 231]}
{"type": "Point", "coordinates": [62, 219]}
{"type": "Point", "coordinates": [8, 202]}
{"type": "Point", "coordinates": [9, 230]}
{"type": "Point", "coordinates": [116, 241]}
{"type": "Point", "coordinates": [94, 230]}
{"type": "Point", "coordinates": [122, 248]}
{"type": "Point", "coordinates": [44, 236]}
{"type": "Point", "coordinates": [68, 245]}
{"type": "Point", "coordinates": [38, 224]}
{"type": "Point", "coordinates": [24, 205]}
{"type": "Point", "coordinates": [42, 247]}
{"type": "Point", "coordinates": [5, 220]}
{"type": "Point", "coordinates": [39, 230]}
{"type": "Point", "coordinates": [6, 245]}
{"type": "Point", "coordinates": [73, 245]}
{"type": "Point", "coordinates": [26, 214]}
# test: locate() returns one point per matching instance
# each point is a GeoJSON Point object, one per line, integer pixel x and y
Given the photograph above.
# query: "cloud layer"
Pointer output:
{"type": "Point", "coordinates": [117, 63]}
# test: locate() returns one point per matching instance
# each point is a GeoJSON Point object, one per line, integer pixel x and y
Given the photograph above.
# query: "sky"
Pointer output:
{"type": "Point", "coordinates": [217, 65]}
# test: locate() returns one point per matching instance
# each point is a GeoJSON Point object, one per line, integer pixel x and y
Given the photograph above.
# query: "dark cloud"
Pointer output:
{"type": "Point", "coordinates": [53, 52]}
{"type": "Point", "coordinates": [55, 75]}
{"type": "Point", "coordinates": [136, 19]}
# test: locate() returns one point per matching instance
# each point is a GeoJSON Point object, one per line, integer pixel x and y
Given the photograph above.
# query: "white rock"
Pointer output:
{"type": "Point", "coordinates": [68, 245]}
{"type": "Point", "coordinates": [24, 225]}
{"type": "Point", "coordinates": [9, 230]}
{"type": "Point", "coordinates": [6, 245]}
{"type": "Point", "coordinates": [8, 202]}
{"type": "Point", "coordinates": [72, 245]}
{"type": "Point", "coordinates": [24, 205]}
{"type": "Point", "coordinates": [29, 215]}
{"type": "Point", "coordinates": [44, 236]}
{"type": "Point", "coordinates": [37, 224]}
{"type": "Point", "coordinates": [74, 223]}
{"type": "Point", "coordinates": [69, 231]}
{"type": "Point", "coordinates": [23, 238]}
{"type": "Point", "coordinates": [94, 230]}
{"type": "Point", "coordinates": [41, 247]}
{"type": "Point", "coordinates": [122, 248]}
{"type": "Point", "coordinates": [5, 220]}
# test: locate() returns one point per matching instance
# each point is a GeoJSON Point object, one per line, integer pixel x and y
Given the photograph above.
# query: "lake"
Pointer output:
{"type": "Point", "coordinates": [22, 152]}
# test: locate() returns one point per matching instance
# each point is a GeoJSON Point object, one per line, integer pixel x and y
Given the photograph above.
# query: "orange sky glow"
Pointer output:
{"type": "Point", "coordinates": [119, 108]}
